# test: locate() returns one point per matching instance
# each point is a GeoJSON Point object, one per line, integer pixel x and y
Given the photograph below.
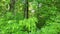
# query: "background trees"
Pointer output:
{"type": "Point", "coordinates": [43, 17]}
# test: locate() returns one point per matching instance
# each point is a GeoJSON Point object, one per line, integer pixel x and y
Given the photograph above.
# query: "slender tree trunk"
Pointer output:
{"type": "Point", "coordinates": [26, 9]}
{"type": "Point", "coordinates": [12, 5]}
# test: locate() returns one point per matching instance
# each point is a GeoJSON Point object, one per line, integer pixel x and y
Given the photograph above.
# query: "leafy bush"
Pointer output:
{"type": "Point", "coordinates": [52, 28]}
{"type": "Point", "coordinates": [11, 26]}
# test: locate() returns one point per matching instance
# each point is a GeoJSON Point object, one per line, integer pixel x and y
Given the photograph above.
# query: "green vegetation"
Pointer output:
{"type": "Point", "coordinates": [29, 16]}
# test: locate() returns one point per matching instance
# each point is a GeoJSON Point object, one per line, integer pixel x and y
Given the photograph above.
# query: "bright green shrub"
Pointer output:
{"type": "Point", "coordinates": [29, 23]}
{"type": "Point", "coordinates": [11, 26]}
{"type": "Point", "coordinates": [52, 28]}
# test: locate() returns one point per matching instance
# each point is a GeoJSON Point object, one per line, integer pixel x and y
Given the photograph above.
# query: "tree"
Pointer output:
{"type": "Point", "coordinates": [12, 5]}
{"type": "Point", "coordinates": [26, 9]}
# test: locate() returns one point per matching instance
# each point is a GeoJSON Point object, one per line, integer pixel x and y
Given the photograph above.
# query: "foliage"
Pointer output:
{"type": "Point", "coordinates": [44, 17]}
{"type": "Point", "coordinates": [11, 26]}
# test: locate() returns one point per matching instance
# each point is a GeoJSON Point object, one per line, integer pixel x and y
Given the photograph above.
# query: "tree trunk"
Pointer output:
{"type": "Point", "coordinates": [12, 6]}
{"type": "Point", "coordinates": [26, 9]}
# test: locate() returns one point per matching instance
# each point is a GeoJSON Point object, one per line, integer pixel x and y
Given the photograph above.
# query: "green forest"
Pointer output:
{"type": "Point", "coordinates": [29, 16]}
